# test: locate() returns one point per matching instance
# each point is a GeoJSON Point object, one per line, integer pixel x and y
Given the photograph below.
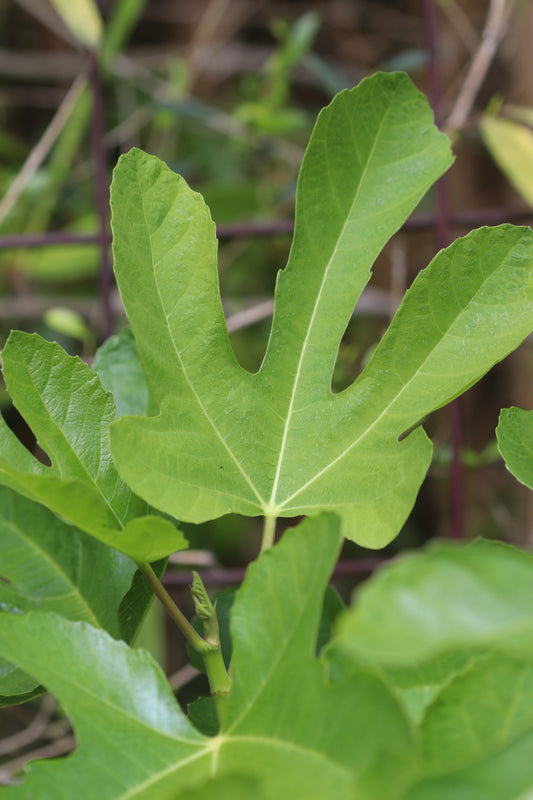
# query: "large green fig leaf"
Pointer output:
{"type": "Point", "coordinates": [63, 402]}
{"type": "Point", "coordinates": [478, 713]}
{"type": "Point", "coordinates": [451, 630]}
{"type": "Point", "coordinates": [48, 565]}
{"type": "Point", "coordinates": [476, 738]}
{"type": "Point", "coordinates": [279, 442]}
{"type": "Point", "coordinates": [450, 598]}
{"type": "Point", "coordinates": [515, 442]}
{"type": "Point", "coordinates": [288, 725]}
{"type": "Point", "coordinates": [506, 775]}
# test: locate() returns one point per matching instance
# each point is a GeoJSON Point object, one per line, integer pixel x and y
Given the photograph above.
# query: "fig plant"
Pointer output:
{"type": "Point", "coordinates": [424, 688]}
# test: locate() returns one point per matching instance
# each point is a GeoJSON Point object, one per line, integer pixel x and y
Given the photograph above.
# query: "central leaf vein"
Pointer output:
{"type": "Point", "coordinates": [312, 321]}
{"type": "Point", "coordinates": [185, 372]}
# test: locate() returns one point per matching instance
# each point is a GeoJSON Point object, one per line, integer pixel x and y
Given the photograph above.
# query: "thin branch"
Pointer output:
{"type": "Point", "coordinates": [35, 729]}
{"type": "Point", "coordinates": [43, 146]}
{"type": "Point", "coordinates": [182, 677]}
{"type": "Point", "coordinates": [495, 26]}
{"type": "Point", "coordinates": [398, 273]}
{"type": "Point", "coordinates": [462, 25]}
{"type": "Point", "coordinates": [58, 748]}
{"type": "Point", "coordinates": [249, 316]}
{"type": "Point", "coordinates": [192, 636]}
{"type": "Point", "coordinates": [47, 15]}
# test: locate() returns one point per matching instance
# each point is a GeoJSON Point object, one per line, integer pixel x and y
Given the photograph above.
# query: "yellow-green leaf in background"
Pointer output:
{"type": "Point", "coordinates": [82, 18]}
{"type": "Point", "coordinates": [511, 145]}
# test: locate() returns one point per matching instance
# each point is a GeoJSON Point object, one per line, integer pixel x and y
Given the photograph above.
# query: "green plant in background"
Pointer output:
{"type": "Point", "coordinates": [41, 189]}
{"type": "Point", "coordinates": [432, 641]}
{"type": "Point", "coordinates": [271, 111]}
{"type": "Point", "coordinates": [52, 185]}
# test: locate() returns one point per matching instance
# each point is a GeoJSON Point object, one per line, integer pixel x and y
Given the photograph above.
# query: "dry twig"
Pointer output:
{"type": "Point", "coordinates": [43, 146]}
{"type": "Point", "coordinates": [495, 26]}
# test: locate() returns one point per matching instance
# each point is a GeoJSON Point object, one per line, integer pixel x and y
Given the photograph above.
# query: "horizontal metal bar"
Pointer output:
{"type": "Point", "coordinates": [233, 576]}
{"type": "Point", "coordinates": [416, 222]}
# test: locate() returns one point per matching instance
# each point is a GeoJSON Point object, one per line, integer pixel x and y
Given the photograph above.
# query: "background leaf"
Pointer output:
{"type": "Point", "coordinates": [82, 18]}
{"type": "Point", "coordinates": [478, 713]}
{"type": "Point", "coordinates": [458, 621]}
{"type": "Point", "coordinates": [515, 442]}
{"type": "Point", "coordinates": [447, 599]}
{"type": "Point", "coordinates": [51, 566]}
{"type": "Point", "coordinates": [510, 142]}
{"type": "Point", "coordinates": [508, 775]}
{"type": "Point", "coordinates": [119, 368]}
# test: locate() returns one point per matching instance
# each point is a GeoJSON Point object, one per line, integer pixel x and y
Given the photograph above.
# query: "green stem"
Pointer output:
{"type": "Point", "coordinates": [219, 680]}
{"type": "Point", "coordinates": [269, 529]}
{"type": "Point", "coordinates": [192, 636]}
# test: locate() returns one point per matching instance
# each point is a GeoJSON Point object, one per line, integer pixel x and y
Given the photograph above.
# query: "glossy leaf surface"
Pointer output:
{"type": "Point", "coordinates": [48, 565]}
{"type": "Point", "coordinates": [288, 727]}
{"type": "Point", "coordinates": [278, 442]}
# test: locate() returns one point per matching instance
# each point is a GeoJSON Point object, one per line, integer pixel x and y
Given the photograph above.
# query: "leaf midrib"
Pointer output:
{"type": "Point", "coordinates": [397, 396]}
{"type": "Point", "coordinates": [222, 739]}
{"type": "Point", "coordinates": [281, 651]}
{"type": "Point", "coordinates": [272, 505]}
{"type": "Point", "coordinates": [184, 370]}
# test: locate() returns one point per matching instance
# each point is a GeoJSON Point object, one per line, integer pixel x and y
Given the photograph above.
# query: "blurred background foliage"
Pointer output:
{"type": "Point", "coordinates": [226, 92]}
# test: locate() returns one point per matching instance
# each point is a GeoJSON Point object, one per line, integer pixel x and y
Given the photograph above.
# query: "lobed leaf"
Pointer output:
{"type": "Point", "coordinates": [279, 442]}
{"type": "Point", "coordinates": [63, 402]}
{"type": "Point", "coordinates": [290, 730]}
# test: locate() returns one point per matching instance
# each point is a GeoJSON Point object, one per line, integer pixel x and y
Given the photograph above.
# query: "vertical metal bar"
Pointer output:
{"type": "Point", "coordinates": [443, 236]}
{"type": "Point", "coordinates": [101, 189]}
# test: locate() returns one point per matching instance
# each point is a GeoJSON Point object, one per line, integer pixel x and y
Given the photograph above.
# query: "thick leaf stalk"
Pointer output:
{"type": "Point", "coordinates": [219, 680]}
